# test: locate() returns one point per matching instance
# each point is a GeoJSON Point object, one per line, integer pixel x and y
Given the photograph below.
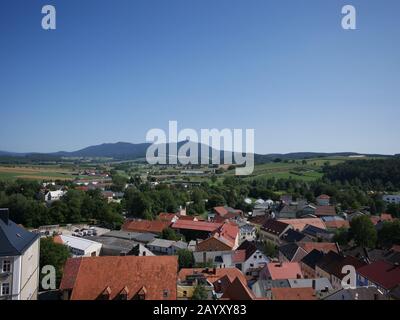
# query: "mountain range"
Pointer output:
{"type": "Point", "coordinates": [131, 151]}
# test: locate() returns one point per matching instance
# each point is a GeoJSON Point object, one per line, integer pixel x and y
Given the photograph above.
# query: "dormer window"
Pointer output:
{"type": "Point", "coordinates": [106, 294]}
{"type": "Point", "coordinates": [166, 294]}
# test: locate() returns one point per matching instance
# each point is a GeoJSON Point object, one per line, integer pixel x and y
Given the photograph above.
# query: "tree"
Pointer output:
{"type": "Point", "coordinates": [389, 234]}
{"type": "Point", "coordinates": [341, 236]}
{"type": "Point", "coordinates": [269, 249]}
{"type": "Point", "coordinates": [53, 254]}
{"type": "Point", "coordinates": [185, 258]}
{"type": "Point", "coordinates": [200, 293]}
{"type": "Point", "coordinates": [170, 234]}
{"type": "Point", "coordinates": [363, 231]}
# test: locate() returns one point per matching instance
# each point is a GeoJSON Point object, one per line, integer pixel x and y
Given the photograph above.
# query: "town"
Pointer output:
{"type": "Point", "coordinates": [111, 237]}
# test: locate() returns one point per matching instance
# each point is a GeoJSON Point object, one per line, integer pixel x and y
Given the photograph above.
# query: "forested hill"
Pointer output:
{"type": "Point", "coordinates": [374, 174]}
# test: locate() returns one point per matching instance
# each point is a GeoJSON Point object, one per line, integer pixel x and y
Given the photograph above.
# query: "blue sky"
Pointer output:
{"type": "Point", "coordinates": [115, 69]}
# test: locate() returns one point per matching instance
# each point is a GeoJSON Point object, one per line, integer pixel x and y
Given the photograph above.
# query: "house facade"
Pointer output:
{"type": "Point", "coordinates": [19, 261]}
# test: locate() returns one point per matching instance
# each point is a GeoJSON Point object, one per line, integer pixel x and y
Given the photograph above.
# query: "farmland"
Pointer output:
{"type": "Point", "coordinates": [35, 173]}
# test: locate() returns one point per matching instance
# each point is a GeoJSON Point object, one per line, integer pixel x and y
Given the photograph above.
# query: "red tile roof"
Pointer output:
{"type": "Point", "coordinates": [90, 277]}
{"type": "Point", "coordinates": [143, 226]}
{"type": "Point", "coordinates": [320, 246]}
{"type": "Point", "coordinates": [337, 224]}
{"type": "Point", "coordinates": [293, 294]}
{"type": "Point", "coordinates": [239, 256]}
{"type": "Point", "coordinates": [324, 196]}
{"type": "Point", "coordinates": [300, 224]}
{"type": "Point", "coordinates": [166, 216]}
{"type": "Point", "coordinates": [229, 231]}
{"type": "Point", "coordinates": [382, 273]}
{"type": "Point", "coordinates": [284, 270]}
{"type": "Point", "coordinates": [196, 225]}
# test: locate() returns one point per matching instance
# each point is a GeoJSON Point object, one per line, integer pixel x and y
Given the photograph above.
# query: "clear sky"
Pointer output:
{"type": "Point", "coordinates": [115, 69]}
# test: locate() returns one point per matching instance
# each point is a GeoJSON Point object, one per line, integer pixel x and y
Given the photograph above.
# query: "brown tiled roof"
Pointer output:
{"type": "Point", "coordinates": [143, 226]}
{"type": "Point", "coordinates": [274, 226]}
{"type": "Point", "coordinates": [284, 270]}
{"type": "Point", "coordinates": [320, 246]}
{"type": "Point", "coordinates": [337, 224]}
{"type": "Point", "coordinates": [238, 291]}
{"type": "Point", "coordinates": [89, 277]}
{"type": "Point", "coordinates": [196, 225]}
{"type": "Point", "coordinates": [300, 224]}
{"type": "Point", "coordinates": [293, 294]}
{"type": "Point", "coordinates": [324, 196]}
{"type": "Point", "coordinates": [325, 211]}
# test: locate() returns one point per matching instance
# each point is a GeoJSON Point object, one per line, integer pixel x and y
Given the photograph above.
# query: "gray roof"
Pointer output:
{"type": "Point", "coordinates": [162, 243]}
{"type": "Point", "coordinates": [14, 240]}
{"type": "Point", "coordinates": [140, 237]}
{"type": "Point", "coordinates": [361, 293]}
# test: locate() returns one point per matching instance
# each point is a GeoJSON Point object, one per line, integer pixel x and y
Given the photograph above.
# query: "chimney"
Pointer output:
{"type": "Point", "coordinates": [214, 270]}
{"type": "Point", "coordinates": [4, 215]}
{"type": "Point", "coordinates": [314, 284]}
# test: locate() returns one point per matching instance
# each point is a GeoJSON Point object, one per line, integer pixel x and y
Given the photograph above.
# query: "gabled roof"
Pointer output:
{"type": "Point", "coordinates": [312, 258]}
{"type": "Point", "coordinates": [289, 250]}
{"type": "Point", "coordinates": [293, 236]}
{"type": "Point", "coordinates": [284, 270]}
{"type": "Point", "coordinates": [325, 211]}
{"type": "Point", "coordinates": [321, 246]}
{"type": "Point", "coordinates": [88, 277]}
{"type": "Point", "coordinates": [249, 249]}
{"type": "Point", "coordinates": [323, 196]}
{"type": "Point", "coordinates": [155, 226]}
{"type": "Point", "coordinates": [314, 231]}
{"type": "Point", "coordinates": [332, 263]}
{"type": "Point", "coordinates": [300, 224]}
{"type": "Point", "coordinates": [274, 227]}
{"type": "Point", "coordinates": [238, 291]}
{"type": "Point", "coordinates": [14, 240]}
{"type": "Point", "coordinates": [382, 273]}
{"type": "Point", "coordinates": [196, 225]}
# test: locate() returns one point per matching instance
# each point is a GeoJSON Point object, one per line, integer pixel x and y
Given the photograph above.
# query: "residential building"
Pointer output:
{"type": "Point", "coordinates": [52, 196]}
{"type": "Point", "coordinates": [120, 278]}
{"type": "Point", "coordinates": [381, 274]}
{"type": "Point", "coordinates": [273, 230]}
{"type": "Point", "coordinates": [19, 261]}
{"type": "Point", "coordinates": [248, 257]}
{"type": "Point", "coordinates": [323, 200]}
{"type": "Point", "coordinates": [300, 224]}
{"type": "Point", "coordinates": [331, 266]}
{"type": "Point", "coordinates": [247, 232]}
{"type": "Point", "coordinates": [166, 247]}
{"type": "Point", "coordinates": [391, 198]}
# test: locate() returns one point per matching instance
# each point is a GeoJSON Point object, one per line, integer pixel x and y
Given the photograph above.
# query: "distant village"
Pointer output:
{"type": "Point", "coordinates": [279, 250]}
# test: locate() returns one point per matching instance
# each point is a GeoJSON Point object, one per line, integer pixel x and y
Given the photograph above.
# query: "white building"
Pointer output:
{"type": "Point", "coordinates": [19, 261]}
{"type": "Point", "coordinates": [80, 247]}
{"type": "Point", "coordinates": [247, 232]}
{"type": "Point", "coordinates": [52, 196]}
{"type": "Point", "coordinates": [392, 198]}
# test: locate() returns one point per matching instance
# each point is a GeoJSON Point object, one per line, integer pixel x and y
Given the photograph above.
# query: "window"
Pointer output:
{"type": "Point", "coordinates": [6, 266]}
{"type": "Point", "coordinates": [5, 289]}
{"type": "Point", "coordinates": [165, 294]}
